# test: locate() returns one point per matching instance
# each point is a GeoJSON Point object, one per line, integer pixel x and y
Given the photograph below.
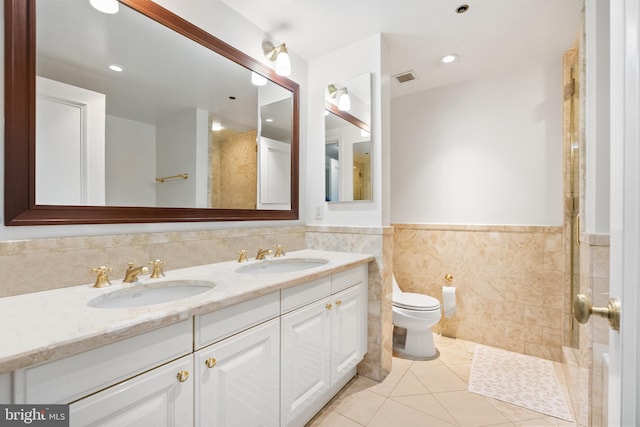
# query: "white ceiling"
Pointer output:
{"type": "Point", "coordinates": [492, 34]}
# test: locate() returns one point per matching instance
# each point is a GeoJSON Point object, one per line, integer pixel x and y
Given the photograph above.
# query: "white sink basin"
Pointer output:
{"type": "Point", "coordinates": [151, 293]}
{"type": "Point", "coordinates": [283, 265]}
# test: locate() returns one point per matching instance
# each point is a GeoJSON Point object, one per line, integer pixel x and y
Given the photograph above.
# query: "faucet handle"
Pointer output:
{"type": "Point", "coordinates": [279, 251]}
{"type": "Point", "coordinates": [157, 269]}
{"type": "Point", "coordinates": [102, 281]}
{"type": "Point", "coordinates": [262, 253]}
{"type": "Point", "coordinates": [242, 255]}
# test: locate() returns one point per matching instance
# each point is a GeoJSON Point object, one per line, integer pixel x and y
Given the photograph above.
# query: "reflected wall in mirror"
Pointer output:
{"type": "Point", "coordinates": [348, 142]}
{"type": "Point", "coordinates": [142, 118]}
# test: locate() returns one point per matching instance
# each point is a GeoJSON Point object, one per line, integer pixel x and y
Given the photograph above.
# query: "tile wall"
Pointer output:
{"type": "Point", "coordinates": [41, 264]}
{"type": "Point", "coordinates": [508, 279]}
{"type": "Point", "coordinates": [584, 365]}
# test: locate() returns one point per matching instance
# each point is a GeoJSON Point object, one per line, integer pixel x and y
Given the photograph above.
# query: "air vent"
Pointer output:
{"type": "Point", "coordinates": [406, 76]}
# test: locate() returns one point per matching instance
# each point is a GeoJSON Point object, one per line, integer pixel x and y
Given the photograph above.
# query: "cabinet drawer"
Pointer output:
{"type": "Point", "coordinates": [300, 295]}
{"type": "Point", "coordinates": [344, 279]}
{"type": "Point", "coordinates": [73, 377]}
{"type": "Point", "coordinates": [219, 324]}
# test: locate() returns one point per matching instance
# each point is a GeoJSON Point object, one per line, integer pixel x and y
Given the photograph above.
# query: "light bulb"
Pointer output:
{"type": "Point", "coordinates": [283, 62]}
{"type": "Point", "coordinates": [344, 102]}
{"type": "Point", "coordinates": [215, 126]}
{"type": "Point", "coordinates": [106, 6]}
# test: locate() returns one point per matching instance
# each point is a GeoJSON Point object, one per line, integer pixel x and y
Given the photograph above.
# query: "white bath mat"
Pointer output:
{"type": "Point", "coordinates": [518, 379]}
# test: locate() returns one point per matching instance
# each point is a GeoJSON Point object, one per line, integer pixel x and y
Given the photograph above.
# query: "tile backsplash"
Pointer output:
{"type": "Point", "coordinates": [40, 264]}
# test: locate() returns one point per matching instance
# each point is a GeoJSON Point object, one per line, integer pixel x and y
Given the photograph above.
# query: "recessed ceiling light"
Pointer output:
{"type": "Point", "coordinates": [117, 68]}
{"type": "Point", "coordinates": [268, 120]}
{"type": "Point", "coordinates": [215, 126]}
{"type": "Point", "coordinates": [105, 6]}
{"type": "Point", "coordinates": [447, 59]}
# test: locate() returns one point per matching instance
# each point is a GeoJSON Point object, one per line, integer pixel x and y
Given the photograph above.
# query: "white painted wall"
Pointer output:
{"type": "Point", "coordinates": [339, 66]}
{"type": "Point", "coordinates": [224, 23]}
{"type": "Point", "coordinates": [130, 153]}
{"type": "Point", "coordinates": [486, 151]}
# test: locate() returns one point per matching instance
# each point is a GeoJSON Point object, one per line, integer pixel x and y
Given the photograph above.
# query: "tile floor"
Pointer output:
{"type": "Point", "coordinates": [427, 394]}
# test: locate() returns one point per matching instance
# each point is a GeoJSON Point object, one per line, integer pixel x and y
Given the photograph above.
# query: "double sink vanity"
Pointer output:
{"type": "Point", "coordinates": [259, 343]}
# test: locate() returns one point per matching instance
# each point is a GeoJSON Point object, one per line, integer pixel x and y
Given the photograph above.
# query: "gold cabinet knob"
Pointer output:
{"type": "Point", "coordinates": [328, 306]}
{"type": "Point", "coordinates": [210, 362]}
{"type": "Point", "coordinates": [339, 302]}
{"type": "Point", "coordinates": [183, 376]}
{"type": "Point", "coordinates": [448, 277]}
{"type": "Point", "coordinates": [583, 309]}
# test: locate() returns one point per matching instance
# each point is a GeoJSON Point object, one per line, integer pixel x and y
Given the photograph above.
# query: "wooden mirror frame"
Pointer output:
{"type": "Point", "coordinates": [19, 138]}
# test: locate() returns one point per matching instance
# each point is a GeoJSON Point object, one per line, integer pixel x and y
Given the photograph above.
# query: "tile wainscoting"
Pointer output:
{"type": "Point", "coordinates": [40, 264]}
{"type": "Point", "coordinates": [508, 279]}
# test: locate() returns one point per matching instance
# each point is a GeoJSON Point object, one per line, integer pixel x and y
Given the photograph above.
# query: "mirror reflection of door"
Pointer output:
{"type": "Point", "coordinates": [157, 119]}
{"type": "Point", "coordinates": [332, 171]}
{"type": "Point", "coordinates": [347, 161]}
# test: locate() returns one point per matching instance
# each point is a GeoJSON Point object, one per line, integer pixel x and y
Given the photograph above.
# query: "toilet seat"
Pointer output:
{"type": "Point", "coordinates": [417, 302]}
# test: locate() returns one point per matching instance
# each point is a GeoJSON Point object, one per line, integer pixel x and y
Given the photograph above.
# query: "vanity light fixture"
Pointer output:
{"type": "Point", "coordinates": [448, 59]}
{"type": "Point", "coordinates": [216, 126]}
{"type": "Point", "coordinates": [280, 55]}
{"type": "Point", "coordinates": [257, 79]}
{"type": "Point", "coordinates": [117, 68]}
{"type": "Point", "coordinates": [105, 6]}
{"type": "Point", "coordinates": [342, 95]}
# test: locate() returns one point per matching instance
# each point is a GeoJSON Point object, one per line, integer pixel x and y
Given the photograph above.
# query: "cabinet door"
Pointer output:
{"type": "Point", "coordinates": [348, 330]}
{"type": "Point", "coordinates": [238, 379]}
{"type": "Point", "coordinates": [156, 398]}
{"type": "Point", "coordinates": [306, 334]}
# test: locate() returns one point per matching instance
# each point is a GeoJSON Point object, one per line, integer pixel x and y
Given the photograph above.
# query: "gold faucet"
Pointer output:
{"type": "Point", "coordinates": [242, 255]}
{"type": "Point", "coordinates": [279, 251]}
{"type": "Point", "coordinates": [157, 269]}
{"type": "Point", "coordinates": [262, 253]}
{"type": "Point", "coordinates": [102, 281]}
{"type": "Point", "coordinates": [131, 275]}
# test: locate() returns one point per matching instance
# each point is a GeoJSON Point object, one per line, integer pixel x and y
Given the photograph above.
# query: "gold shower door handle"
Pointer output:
{"type": "Point", "coordinates": [583, 309]}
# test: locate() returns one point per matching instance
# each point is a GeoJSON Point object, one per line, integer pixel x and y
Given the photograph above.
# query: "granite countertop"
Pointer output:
{"type": "Point", "coordinates": [48, 325]}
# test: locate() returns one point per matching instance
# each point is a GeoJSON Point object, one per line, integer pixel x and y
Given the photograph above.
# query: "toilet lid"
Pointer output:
{"type": "Point", "coordinates": [413, 301]}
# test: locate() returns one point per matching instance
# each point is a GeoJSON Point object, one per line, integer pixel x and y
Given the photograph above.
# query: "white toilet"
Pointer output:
{"type": "Point", "coordinates": [416, 313]}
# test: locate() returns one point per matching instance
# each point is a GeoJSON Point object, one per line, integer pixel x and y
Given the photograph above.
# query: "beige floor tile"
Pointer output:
{"type": "Point", "coordinates": [514, 412]}
{"type": "Point", "coordinates": [470, 409]}
{"type": "Point", "coordinates": [437, 377]}
{"type": "Point", "coordinates": [393, 414]}
{"type": "Point", "coordinates": [360, 406]}
{"type": "Point", "coordinates": [428, 404]}
{"type": "Point", "coordinates": [399, 368]}
{"type": "Point", "coordinates": [408, 385]}
{"type": "Point", "coordinates": [332, 419]}
{"type": "Point", "coordinates": [538, 422]}
{"type": "Point", "coordinates": [463, 371]}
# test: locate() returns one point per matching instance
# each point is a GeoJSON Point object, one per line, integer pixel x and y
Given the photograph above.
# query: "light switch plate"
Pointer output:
{"type": "Point", "coordinates": [318, 211]}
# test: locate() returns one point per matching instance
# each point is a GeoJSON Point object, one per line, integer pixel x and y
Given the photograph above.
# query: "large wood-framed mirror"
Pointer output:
{"type": "Point", "coordinates": [176, 77]}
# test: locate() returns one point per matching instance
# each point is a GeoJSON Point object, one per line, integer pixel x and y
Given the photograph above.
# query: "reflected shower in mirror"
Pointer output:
{"type": "Point", "coordinates": [348, 144]}
{"type": "Point", "coordinates": [133, 113]}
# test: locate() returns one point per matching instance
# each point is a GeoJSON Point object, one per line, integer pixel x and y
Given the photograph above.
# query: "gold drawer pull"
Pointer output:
{"type": "Point", "coordinates": [339, 302]}
{"type": "Point", "coordinates": [183, 376]}
{"type": "Point", "coordinates": [328, 306]}
{"type": "Point", "coordinates": [210, 362]}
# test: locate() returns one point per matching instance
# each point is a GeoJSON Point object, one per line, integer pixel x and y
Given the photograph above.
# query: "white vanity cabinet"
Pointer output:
{"type": "Point", "coordinates": [238, 377]}
{"type": "Point", "coordinates": [322, 341]}
{"type": "Point", "coordinates": [160, 397]}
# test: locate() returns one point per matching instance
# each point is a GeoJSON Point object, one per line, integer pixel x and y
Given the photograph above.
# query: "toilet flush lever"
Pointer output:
{"type": "Point", "coordinates": [583, 309]}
